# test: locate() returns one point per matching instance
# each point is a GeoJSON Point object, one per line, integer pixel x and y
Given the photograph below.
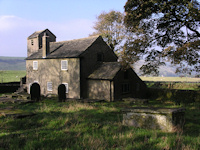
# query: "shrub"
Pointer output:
{"type": "Point", "coordinates": [178, 96]}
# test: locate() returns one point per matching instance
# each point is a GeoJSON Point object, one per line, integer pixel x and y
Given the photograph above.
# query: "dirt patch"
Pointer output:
{"type": "Point", "coordinates": [10, 111]}
{"type": "Point", "coordinates": [7, 99]}
{"type": "Point", "coordinates": [15, 113]}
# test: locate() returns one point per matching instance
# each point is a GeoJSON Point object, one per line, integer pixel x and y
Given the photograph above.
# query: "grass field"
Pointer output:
{"type": "Point", "coordinates": [194, 83]}
{"type": "Point", "coordinates": [171, 79]}
{"type": "Point", "coordinates": [73, 125]}
{"type": "Point", "coordinates": [181, 83]}
{"type": "Point", "coordinates": [11, 75]}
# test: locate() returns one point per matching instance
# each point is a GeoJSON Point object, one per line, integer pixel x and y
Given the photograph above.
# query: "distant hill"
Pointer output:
{"type": "Point", "coordinates": [166, 71]}
{"type": "Point", "coordinates": [12, 63]}
{"type": "Point", "coordinates": [19, 63]}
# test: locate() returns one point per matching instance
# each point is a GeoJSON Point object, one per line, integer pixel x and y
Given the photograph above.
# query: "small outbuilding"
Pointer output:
{"type": "Point", "coordinates": [109, 81]}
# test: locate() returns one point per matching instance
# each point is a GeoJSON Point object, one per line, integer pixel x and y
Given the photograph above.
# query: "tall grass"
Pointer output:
{"type": "Point", "coordinates": [74, 125]}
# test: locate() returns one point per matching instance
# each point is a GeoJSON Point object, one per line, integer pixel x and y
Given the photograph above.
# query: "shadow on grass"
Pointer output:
{"type": "Point", "coordinates": [97, 127]}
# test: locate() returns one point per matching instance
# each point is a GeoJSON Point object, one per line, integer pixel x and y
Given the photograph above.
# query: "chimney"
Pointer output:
{"type": "Point", "coordinates": [45, 46]}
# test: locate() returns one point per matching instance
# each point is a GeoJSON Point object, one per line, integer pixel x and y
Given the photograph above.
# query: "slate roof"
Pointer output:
{"type": "Point", "coordinates": [106, 71]}
{"type": "Point", "coordinates": [66, 49]}
{"type": "Point", "coordinates": [37, 33]}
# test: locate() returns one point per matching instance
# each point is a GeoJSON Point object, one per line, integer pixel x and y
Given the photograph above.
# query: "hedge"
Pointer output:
{"type": "Point", "coordinates": [178, 96]}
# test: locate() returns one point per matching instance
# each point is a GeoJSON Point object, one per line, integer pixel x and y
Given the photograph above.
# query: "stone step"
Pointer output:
{"type": "Point", "coordinates": [21, 96]}
{"type": "Point", "coordinates": [22, 88]}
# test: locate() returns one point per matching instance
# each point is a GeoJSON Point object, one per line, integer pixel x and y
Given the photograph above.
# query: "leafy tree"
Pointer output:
{"type": "Point", "coordinates": [111, 27]}
{"type": "Point", "coordinates": [164, 30]}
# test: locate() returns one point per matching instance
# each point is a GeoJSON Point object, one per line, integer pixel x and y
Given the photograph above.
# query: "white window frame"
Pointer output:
{"type": "Point", "coordinates": [29, 90]}
{"type": "Point", "coordinates": [35, 65]}
{"type": "Point", "coordinates": [49, 86]}
{"type": "Point", "coordinates": [67, 87]}
{"type": "Point", "coordinates": [65, 65]}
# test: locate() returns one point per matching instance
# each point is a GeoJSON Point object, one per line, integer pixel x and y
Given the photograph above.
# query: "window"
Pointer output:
{"type": "Point", "coordinates": [64, 64]}
{"type": "Point", "coordinates": [66, 86]}
{"type": "Point", "coordinates": [126, 75]}
{"type": "Point", "coordinates": [32, 42]}
{"type": "Point", "coordinates": [100, 57]}
{"type": "Point", "coordinates": [35, 65]}
{"type": "Point", "coordinates": [137, 87]}
{"type": "Point", "coordinates": [49, 86]}
{"type": "Point", "coordinates": [125, 88]}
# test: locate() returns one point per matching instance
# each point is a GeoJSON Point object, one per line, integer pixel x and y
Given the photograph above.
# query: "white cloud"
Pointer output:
{"type": "Point", "coordinates": [8, 22]}
{"type": "Point", "coordinates": [15, 30]}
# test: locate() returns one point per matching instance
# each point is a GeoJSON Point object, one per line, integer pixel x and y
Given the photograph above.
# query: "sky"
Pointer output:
{"type": "Point", "coordinates": [67, 19]}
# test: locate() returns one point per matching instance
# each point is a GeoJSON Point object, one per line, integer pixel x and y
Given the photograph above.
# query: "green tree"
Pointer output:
{"type": "Point", "coordinates": [111, 27]}
{"type": "Point", "coordinates": [164, 30]}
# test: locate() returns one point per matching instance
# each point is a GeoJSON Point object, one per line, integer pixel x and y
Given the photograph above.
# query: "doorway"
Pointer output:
{"type": "Point", "coordinates": [61, 92]}
{"type": "Point", "coordinates": [35, 92]}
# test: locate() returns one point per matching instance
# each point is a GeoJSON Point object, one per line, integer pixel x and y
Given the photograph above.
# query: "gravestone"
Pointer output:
{"type": "Point", "coordinates": [165, 119]}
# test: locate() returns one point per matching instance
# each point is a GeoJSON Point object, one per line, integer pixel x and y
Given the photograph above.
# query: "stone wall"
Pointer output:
{"type": "Point", "coordinates": [112, 90]}
{"type": "Point", "coordinates": [89, 61]}
{"type": "Point", "coordinates": [9, 87]}
{"type": "Point", "coordinates": [137, 87]}
{"type": "Point", "coordinates": [100, 89]}
{"type": "Point", "coordinates": [34, 44]}
{"type": "Point", "coordinates": [49, 70]}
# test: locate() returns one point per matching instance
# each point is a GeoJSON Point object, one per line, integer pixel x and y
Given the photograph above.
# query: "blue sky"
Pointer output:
{"type": "Point", "coordinates": [67, 19]}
